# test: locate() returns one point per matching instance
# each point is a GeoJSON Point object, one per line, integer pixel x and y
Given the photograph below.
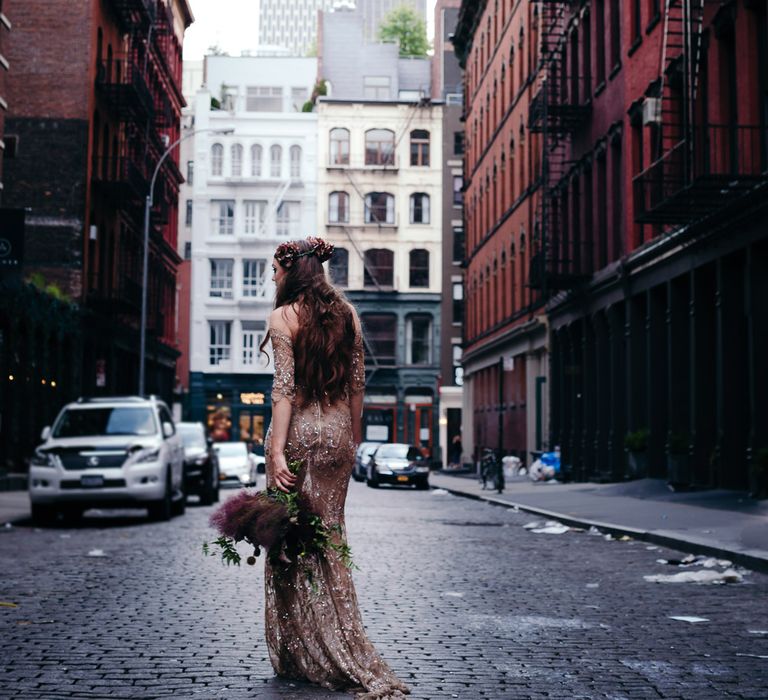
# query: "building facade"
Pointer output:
{"type": "Point", "coordinates": [505, 355]}
{"type": "Point", "coordinates": [5, 28]}
{"type": "Point", "coordinates": [251, 189]}
{"type": "Point", "coordinates": [374, 11]}
{"type": "Point", "coordinates": [292, 24]}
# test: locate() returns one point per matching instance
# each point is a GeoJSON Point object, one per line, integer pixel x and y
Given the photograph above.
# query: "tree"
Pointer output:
{"type": "Point", "coordinates": [403, 26]}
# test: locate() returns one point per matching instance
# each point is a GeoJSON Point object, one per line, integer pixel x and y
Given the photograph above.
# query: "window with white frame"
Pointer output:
{"type": "Point", "coordinates": [217, 159]}
{"type": "Point", "coordinates": [255, 278]}
{"type": "Point", "coordinates": [264, 99]}
{"type": "Point", "coordinates": [379, 208]}
{"type": "Point", "coordinates": [419, 208]}
{"type": "Point", "coordinates": [376, 87]}
{"type": "Point", "coordinates": [221, 278]}
{"type": "Point", "coordinates": [288, 219]}
{"type": "Point", "coordinates": [379, 267]}
{"type": "Point", "coordinates": [379, 147]}
{"type": "Point", "coordinates": [418, 339]}
{"type": "Point", "coordinates": [275, 160]}
{"type": "Point", "coordinates": [188, 214]}
{"type": "Point", "coordinates": [419, 147]}
{"type": "Point", "coordinates": [299, 96]}
{"type": "Point", "coordinates": [190, 172]}
{"type": "Point", "coordinates": [339, 154]}
{"type": "Point", "coordinates": [338, 208]}
{"type": "Point", "coordinates": [295, 162]}
{"type": "Point", "coordinates": [237, 160]}
{"type": "Point", "coordinates": [253, 336]}
{"type": "Point", "coordinates": [418, 268]}
{"type": "Point", "coordinates": [255, 212]}
{"type": "Point", "coordinates": [256, 158]}
{"type": "Point", "coordinates": [220, 344]}
{"type": "Point", "coordinates": [223, 216]}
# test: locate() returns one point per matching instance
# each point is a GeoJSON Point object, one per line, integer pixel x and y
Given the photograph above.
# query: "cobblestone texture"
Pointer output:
{"type": "Point", "coordinates": [459, 598]}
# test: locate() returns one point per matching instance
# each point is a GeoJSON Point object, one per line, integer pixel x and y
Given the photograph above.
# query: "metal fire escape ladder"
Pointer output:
{"type": "Point", "coordinates": [272, 206]}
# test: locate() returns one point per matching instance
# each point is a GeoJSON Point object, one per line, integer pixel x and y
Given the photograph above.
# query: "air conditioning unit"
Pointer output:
{"type": "Point", "coordinates": [651, 110]}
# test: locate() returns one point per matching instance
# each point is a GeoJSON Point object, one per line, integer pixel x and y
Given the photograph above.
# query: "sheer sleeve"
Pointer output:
{"type": "Point", "coordinates": [357, 377]}
{"type": "Point", "coordinates": [283, 384]}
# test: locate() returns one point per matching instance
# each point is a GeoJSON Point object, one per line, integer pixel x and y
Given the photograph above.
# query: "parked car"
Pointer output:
{"type": "Point", "coordinates": [398, 463]}
{"type": "Point", "coordinates": [235, 465]}
{"type": "Point", "coordinates": [107, 452]}
{"type": "Point", "coordinates": [362, 455]}
{"type": "Point", "coordinates": [201, 463]}
{"type": "Point", "coordinates": [257, 457]}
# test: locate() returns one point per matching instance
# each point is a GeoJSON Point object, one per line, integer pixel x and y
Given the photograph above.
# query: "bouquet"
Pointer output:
{"type": "Point", "coordinates": [277, 522]}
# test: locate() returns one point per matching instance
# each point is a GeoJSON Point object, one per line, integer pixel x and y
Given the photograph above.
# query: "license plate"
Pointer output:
{"type": "Point", "coordinates": [91, 481]}
{"type": "Point", "coordinates": [402, 478]}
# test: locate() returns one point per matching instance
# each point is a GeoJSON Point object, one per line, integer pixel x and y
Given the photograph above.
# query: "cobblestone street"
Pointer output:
{"type": "Point", "coordinates": [456, 594]}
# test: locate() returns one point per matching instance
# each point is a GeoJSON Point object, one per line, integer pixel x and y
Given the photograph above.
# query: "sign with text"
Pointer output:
{"type": "Point", "coordinates": [11, 238]}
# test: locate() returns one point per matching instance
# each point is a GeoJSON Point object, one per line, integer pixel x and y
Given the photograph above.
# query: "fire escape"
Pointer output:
{"type": "Point", "coordinates": [697, 166]}
{"type": "Point", "coordinates": [557, 110]}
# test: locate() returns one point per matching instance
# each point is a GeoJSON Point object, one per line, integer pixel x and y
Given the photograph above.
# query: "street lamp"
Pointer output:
{"type": "Point", "coordinates": [145, 272]}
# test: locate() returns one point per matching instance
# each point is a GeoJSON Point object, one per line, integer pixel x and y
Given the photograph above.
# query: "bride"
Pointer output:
{"type": "Point", "coordinates": [313, 625]}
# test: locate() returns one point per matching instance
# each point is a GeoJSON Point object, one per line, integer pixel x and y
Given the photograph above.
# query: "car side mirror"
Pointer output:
{"type": "Point", "coordinates": [46, 433]}
{"type": "Point", "coordinates": [167, 429]}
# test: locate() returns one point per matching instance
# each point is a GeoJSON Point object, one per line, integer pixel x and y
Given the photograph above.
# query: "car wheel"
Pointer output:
{"type": "Point", "coordinates": [423, 485]}
{"type": "Point", "coordinates": [162, 510]}
{"type": "Point", "coordinates": [372, 483]}
{"type": "Point", "coordinates": [43, 514]}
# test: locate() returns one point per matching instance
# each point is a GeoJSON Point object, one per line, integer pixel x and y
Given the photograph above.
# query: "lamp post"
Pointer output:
{"type": "Point", "coordinates": [145, 271]}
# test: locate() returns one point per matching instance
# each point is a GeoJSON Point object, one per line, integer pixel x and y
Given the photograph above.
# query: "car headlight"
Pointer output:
{"type": "Point", "coordinates": [42, 459]}
{"type": "Point", "coordinates": [245, 478]}
{"type": "Point", "coordinates": [146, 455]}
{"type": "Point", "coordinates": [422, 469]}
{"type": "Point", "coordinates": [383, 469]}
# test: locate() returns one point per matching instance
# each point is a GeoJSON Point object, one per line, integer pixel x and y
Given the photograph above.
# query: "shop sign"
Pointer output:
{"type": "Point", "coordinates": [11, 238]}
{"type": "Point", "coordinates": [252, 398]}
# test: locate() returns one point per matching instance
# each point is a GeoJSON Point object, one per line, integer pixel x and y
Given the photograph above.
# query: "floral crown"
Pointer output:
{"type": "Point", "coordinates": [287, 253]}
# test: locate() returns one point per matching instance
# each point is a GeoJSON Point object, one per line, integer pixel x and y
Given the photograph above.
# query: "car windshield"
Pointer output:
{"type": "Point", "coordinates": [399, 452]}
{"type": "Point", "coordinates": [231, 449]}
{"type": "Point", "coordinates": [192, 435]}
{"type": "Point", "coordinates": [81, 422]}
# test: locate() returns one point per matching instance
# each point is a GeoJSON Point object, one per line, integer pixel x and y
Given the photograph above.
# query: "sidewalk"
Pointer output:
{"type": "Point", "coordinates": [726, 524]}
{"type": "Point", "coordinates": [14, 505]}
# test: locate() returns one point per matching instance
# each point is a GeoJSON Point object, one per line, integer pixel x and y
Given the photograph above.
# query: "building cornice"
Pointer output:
{"type": "Point", "coordinates": [469, 16]}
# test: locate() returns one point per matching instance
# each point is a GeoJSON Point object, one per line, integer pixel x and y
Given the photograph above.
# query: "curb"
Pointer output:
{"type": "Point", "coordinates": [755, 562]}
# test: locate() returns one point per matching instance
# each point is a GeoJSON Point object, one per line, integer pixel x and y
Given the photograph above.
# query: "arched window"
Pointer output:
{"type": "Point", "coordinates": [339, 151]}
{"type": "Point", "coordinates": [418, 268]}
{"type": "Point", "coordinates": [295, 162]}
{"type": "Point", "coordinates": [419, 208]}
{"type": "Point", "coordinates": [256, 157]}
{"type": "Point", "coordinates": [379, 208]}
{"type": "Point", "coordinates": [338, 208]}
{"type": "Point", "coordinates": [275, 160]}
{"type": "Point", "coordinates": [217, 159]}
{"type": "Point", "coordinates": [419, 147]}
{"type": "Point", "coordinates": [237, 159]}
{"type": "Point", "coordinates": [338, 267]}
{"type": "Point", "coordinates": [379, 147]}
{"type": "Point", "coordinates": [379, 268]}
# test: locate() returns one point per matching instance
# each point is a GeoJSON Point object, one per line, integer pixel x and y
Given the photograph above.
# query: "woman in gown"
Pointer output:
{"type": "Point", "coordinates": [313, 626]}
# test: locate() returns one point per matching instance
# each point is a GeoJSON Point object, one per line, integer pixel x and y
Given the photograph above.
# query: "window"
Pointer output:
{"type": "Point", "coordinates": [376, 87]}
{"type": "Point", "coordinates": [223, 216]}
{"type": "Point", "coordinates": [458, 302]}
{"type": "Point", "coordinates": [256, 157]}
{"type": "Point", "coordinates": [338, 267]}
{"type": "Point", "coordinates": [253, 336]}
{"type": "Point", "coordinates": [637, 29]}
{"type": "Point", "coordinates": [458, 244]}
{"type": "Point", "coordinates": [419, 147]}
{"type": "Point", "coordinates": [264, 99]}
{"type": "Point", "coordinates": [339, 154]}
{"type": "Point", "coordinates": [188, 215]}
{"type": "Point", "coordinates": [299, 96]}
{"type": "Point", "coordinates": [418, 337]}
{"type": "Point", "coordinates": [255, 213]}
{"type": "Point", "coordinates": [220, 341]}
{"type": "Point", "coordinates": [381, 333]}
{"type": "Point", "coordinates": [458, 195]}
{"type": "Point", "coordinates": [379, 208]}
{"type": "Point", "coordinates": [187, 250]}
{"type": "Point", "coordinates": [419, 208]}
{"type": "Point", "coordinates": [418, 265]}
{"type": "Point", "coordinates": [288, 219]}
{"type": "Point", "coordinates": [338, 208]}
{"type": "Point", "coordinates": [295, 162]}
{"type": "Point", "coordinates": [221, 279]}
{"type": "Point", "coordinates": [600, 43]}
{"type": "Point", "coordinates": [255, 278]}
{"type": "Point", "coordinates": [275, 160]}
{"type": "Point", "coordinates": [217, 159]}
{"type": "Point", "coordinates": [190, 172]}
{"type": "Point", "coordinates": [458, 143]}
{"type": "Point", "coordinates": [237, 160]}
{"type": "Point", "coordinates": [379, 147]}
{"type": "Point", "coordinates": [615, 34]}
{"type": "Point", "coordinates": [379, 267]}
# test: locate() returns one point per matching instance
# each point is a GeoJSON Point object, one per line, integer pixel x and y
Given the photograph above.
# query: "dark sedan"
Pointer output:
{"type": "Point", "coordinates": [398, 464]}
{"type": "Point", "coordinates": [201, 463]}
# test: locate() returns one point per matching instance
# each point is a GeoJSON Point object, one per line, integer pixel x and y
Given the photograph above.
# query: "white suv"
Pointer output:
{"type": "Point", "coordinates": [109, 453]}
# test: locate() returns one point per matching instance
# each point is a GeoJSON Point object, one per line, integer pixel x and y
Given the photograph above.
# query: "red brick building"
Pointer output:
{"type": "Point", "coordinates": [505, 339]}
{"type": "Point", "coordinates": [94, 101]}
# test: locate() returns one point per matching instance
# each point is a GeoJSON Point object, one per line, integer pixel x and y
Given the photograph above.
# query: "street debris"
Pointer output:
{"type": "Point", "coordinates": [688, 618]}
{"type": "Point", "coordinates": [757, 631]}
{"type": "Point", "coordinates": [96, 553]}
{"type": "Point", "coordinates": [608, 537]}
{"type": "Point", "coordinates": [754, 656]}
{"type": "Point", "coordinates": [652, 548]}
{"type": "Point", "coordinates": [453, 594]}
{"type": "Point", "coordinates": [701, 576]}
{"type": "Point", "coordinates": [3, 604]}
{"type": "Point", "coordinates": [9, 526]}
{"type": "Point", "coordinates": [593, 585]}
{"type": "Point", "coordinates": [439, 492]}
{"type": "Point", "coordinates": [593, 531]}
{"type": "Point", "coordinates": [550, 527]}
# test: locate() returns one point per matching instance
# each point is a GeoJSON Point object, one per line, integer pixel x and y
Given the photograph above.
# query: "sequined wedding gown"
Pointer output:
{"type": "Point", "coordinates": [313, 626]}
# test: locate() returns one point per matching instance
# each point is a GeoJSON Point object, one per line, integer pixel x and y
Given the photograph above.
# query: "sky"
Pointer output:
{"type": "Point", "coordinates": [233, 26]}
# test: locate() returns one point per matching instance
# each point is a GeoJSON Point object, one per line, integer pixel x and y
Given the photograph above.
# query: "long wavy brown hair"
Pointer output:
{"type": "Point", "coordinates": [322, 349]}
